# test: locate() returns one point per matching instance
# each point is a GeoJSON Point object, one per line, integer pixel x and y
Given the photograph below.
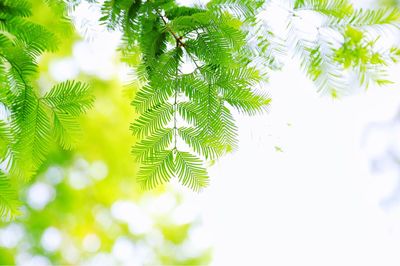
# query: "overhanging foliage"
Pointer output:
{"type": "Point", "coordinates": [197, 65]}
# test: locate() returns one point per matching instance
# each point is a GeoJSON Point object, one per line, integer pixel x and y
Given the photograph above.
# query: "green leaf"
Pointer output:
{"type": "Point", "coordinates": [333, 8]}
{"type": "Point", "coordinates": [227, 132]}
{"type": "Point", "coordinates": [190, 171]}
{"type": "Point", "coordinates": [15, 8]}
{"type": "Point", "coordinates": [9, 204]}
{"type": "Point", "coordinates": [32, 128]}
{"type": "Point", "coordinates": [156, 170]}
{"type": "Point", "coordinates": [69, 97]}
{"type": "Point", "coordinates": [243, 9]}
{"type": "Point", "coordinates": [199, 144]}
{"type": "Point", "coordinates": [5, 139]}
{"type": "Point", "coordinates": [152, 120]}
{"type": "Point", "coordinates": [148, 147]}
{"type": "Point", "coordinates": [246, 101]}
{"type": "Point", "coordinates": [67, 101]}
{"type": "Point", "coordinates": [66, 129]}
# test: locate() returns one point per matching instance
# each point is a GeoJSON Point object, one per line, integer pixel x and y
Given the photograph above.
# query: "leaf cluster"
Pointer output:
{"type": "Point", "coordinates": [195, 70]}
{"type": "Point", "coordinates": [345, 50]}
{"type": "Point", "coordinates": [197, 66]}
{"type": "Point", "coordinates": [31, 120]}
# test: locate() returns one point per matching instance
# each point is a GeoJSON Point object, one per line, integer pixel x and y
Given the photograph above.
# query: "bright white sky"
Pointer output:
{"type": "Point", "coordinates": [316, 202]}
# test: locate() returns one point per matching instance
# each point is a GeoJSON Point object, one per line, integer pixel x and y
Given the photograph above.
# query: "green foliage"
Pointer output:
{"type": "Point", "coordinates": [8, 198]}
{"type": "Point", "coordinates": [190, 171]}
{"type": "Point", "coordinates": [185, 114]}
{"type": "Point", "coordinates": [336, 8]}
{"type": "Point", "coordinates": [243, 9]}
{"type": "Point", "coordinates": [5, 139]}
{"type": "Point", "coordinates": [31, 121]}
{"type": "Point", "coordinates": [346, 44]}
{"type": "Point", "coordinates": [67, 101]}
{"type": "Point", "coordinates": [185, 111]}
{"type": "Point", "coordinates": [157, 169]}
{"type": "Point", "coordinates": [31, 127]}
{"type": "Point", "coordinates": [196, 66]}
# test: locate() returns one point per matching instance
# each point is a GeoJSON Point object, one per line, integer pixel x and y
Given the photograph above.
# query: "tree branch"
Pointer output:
{"type": "Point", "coordinates": [178, 39]}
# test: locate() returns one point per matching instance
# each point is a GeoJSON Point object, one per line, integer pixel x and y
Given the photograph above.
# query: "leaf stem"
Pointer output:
{"type": "Point", "coordinates": [175, 114]}
{"type": "Point", "coordinates": [178, 39]}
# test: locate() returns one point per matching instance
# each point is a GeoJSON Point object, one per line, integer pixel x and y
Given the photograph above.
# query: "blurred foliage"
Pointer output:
{"type": "Point", "coordinates": [193, 65]}
{"type": "Point", "coordinates": [84, 206]}
{"type": "Point", "coordinates": [389, 2]}
{"type": "Point", "coordinates": [32, 116]}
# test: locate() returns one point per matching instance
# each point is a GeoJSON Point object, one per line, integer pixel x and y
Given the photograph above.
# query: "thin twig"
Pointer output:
{"type": "Point", "coordinates": [177, 38]}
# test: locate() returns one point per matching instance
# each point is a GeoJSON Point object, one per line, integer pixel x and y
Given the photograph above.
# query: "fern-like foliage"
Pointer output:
{"type": "Point", "coordinates": [344, 50]}
{"type": "Point", "coordinates": [195, 67]}
{"type": "Point", "coordinates": [32, 120]}
{"type": "Point", "coordinates": [9, 203]}
{"type": "Point", "coordinates": [198, 64]}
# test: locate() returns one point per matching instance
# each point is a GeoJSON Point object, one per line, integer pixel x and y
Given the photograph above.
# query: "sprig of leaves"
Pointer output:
{"type": "Point", "coordinates": [32, 121]}
{"type": "Point", "coordinates": [345, 51]}
{"type": "Point", "coordinates": [185, 115]}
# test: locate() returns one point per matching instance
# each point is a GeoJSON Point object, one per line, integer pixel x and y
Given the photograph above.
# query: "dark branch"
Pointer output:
{"type": "Point", "coordinates": [177, 38]}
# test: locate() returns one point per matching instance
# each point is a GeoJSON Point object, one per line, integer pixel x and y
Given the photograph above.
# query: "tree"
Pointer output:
{"type": "Point", "coordinates": [196, 65]}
